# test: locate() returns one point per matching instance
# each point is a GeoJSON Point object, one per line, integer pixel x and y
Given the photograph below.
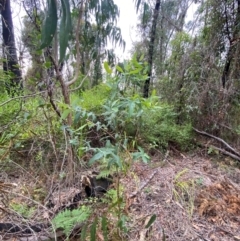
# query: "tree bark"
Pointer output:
{"type": "Point", "coordinates": [232, 48]}
{"type": "Point", "coordinates": [151, 48]}
{"type": "Point", "coordinates": [9, 49]}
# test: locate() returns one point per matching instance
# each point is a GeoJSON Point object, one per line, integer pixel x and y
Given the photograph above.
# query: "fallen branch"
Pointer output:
{"type": "Point", "coordinates": [235, 153]}
{"type": "Point", "coordinates": [226, 153]}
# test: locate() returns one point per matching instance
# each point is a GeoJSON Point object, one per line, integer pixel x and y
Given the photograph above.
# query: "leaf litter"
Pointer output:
{"type": "Point", "coordinates": [186, 197]}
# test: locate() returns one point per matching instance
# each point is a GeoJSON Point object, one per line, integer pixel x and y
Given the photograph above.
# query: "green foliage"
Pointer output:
{"type": "Point", "coordinates": [184, 189]}
{"type": "Point", "coordinates": [180, 42]}
{"type": "Point", "coordinates": [159, 127]}
{"type": "Point", "coordinates": [111, 197]}
{"type": "Point", "coordinates": [27, 126]}
{"type": "Point", "coordinates": [65, 28]}
{"type": "Point", "coordinates": [67, 219]}
{"type": "Point", "coordinates": [109, 153]}
{"type": "Point", "coordinates": [92, 99]}
{"type": "Point", "coordinates": [104, 225]}
{"type": "Point", "coordinates": [131, 75]}
{"type": "Point", "coordinates": [151, 221]}
{"type": "Point", "coordinates": [10, 110]}
{"type": "Point", "coordinates": [50, 24]}
{"type": "Point", "coordinates": [104, 172]}
{"type": "Point", "coordinates": [23, 210]}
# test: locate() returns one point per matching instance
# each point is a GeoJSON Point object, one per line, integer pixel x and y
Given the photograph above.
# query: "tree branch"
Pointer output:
{"type": "Point", "coordinates": [226, 153]}
{"type": "Point", "coordinates": [220, 140]}
{"type": "Point", "coordinates": [21, 97]}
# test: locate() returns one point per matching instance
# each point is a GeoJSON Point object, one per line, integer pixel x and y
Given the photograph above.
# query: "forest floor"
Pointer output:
{"type": "Point", "coordinates": [195, 196]}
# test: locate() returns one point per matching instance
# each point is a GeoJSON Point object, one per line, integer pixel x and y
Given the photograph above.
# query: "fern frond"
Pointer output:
{"type": "Point", "coordinates": [105, 173]}
{"type": "Point", "coordinates": [68, 219]}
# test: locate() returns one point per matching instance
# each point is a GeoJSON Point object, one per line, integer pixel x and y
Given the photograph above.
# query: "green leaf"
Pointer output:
{"type": "Point", "coordinates": [65, 28]}
{"type": "Point", "coordinates": [65, 114]}
{"type": "Point", "coordinates": [81, 127]}
{"type": "Point", "coordinates": [66, 220]}
{"type": "Point", "coordinates": [145, 17]}
{"type": "Point", "coordinates": [84, 233]}
{"type": "Point", "coordinates": [96, 157]}
{"type": "Point", "coordinates": [107, 68]}
{"type": "Point", "coordinates": [47, 64]}
{"type": "Point", "coordinates": [136, 71]}
{"type": "Point", "coordinates": [49, 24]}
{"type": "Point", "coordinates": [131, 109]}
{"type": "Point", "coordinates": [104, 228]}
{"type": "Point", "coordinates": [93, 230]}
{"type": "Point", "coordinates": [151, 221]}
{"type": "Point", "coordinates": [145, 159]}
{"type": "Point", "coordinates": [77, 117]}
{"type": "Point", "coordinates": [119, 69]}
{"type": "Point", "coordinates": [74, 141]}
{"type": "Point", "coordinates": [141, 57]}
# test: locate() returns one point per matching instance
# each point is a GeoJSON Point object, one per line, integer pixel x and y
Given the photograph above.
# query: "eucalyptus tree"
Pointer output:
{"type": "Point", "coordinates": [31, 38]}
{"type": "Point", "coordinates": [217, 50]}
{"type": "Point", "coordinates": [152, 37]}
{"type": "Point", "coordinates": [220, 33]}
{"type": "Point", "coordinates": [98, 30]}
{"type": "Point", "coordinates": [157, 28]}
{"type": "Point", "coordinates": [10, 63]}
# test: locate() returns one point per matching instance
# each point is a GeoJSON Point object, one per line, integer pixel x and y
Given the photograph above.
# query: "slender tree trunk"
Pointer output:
{"type": "Point", "coordinates": [151, 48]}
{"type": "Point", "coordinates": [232, 48]}
{"type": "Point", "coordinates": [9, 48]}
{"type": "Point", "coordinates": [161, 49]}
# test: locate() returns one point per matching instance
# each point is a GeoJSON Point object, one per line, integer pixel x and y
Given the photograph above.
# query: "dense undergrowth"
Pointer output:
{"type": "Point", "coordinates": [113, 126]}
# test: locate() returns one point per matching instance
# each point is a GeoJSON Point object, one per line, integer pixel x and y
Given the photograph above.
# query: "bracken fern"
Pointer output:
{"type": "Point", "coordinates": [67, 219]}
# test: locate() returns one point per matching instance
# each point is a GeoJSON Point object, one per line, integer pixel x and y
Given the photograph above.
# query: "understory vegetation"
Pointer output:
{"type": "Point", "coordinates": [97, 148]}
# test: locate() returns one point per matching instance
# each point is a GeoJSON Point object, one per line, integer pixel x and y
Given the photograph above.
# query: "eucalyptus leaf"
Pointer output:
{"type": "Point", "coordinates": [93, 230]}
{"type": "Point", "coordinates": [49, 24]}
{"type": "Point", "coordinates": [107, 68]}
{"type": "Point", "coordinates": [96, 157]}
{"type": "Point", "coordinates": [65, 28]}
{"type": "Point", "coordinates": [119, 68]}
{"type": "Point", "coordinates": [105, 228]}
{"type": "Point", "coordinates": [65, 114]}
{"type": "Point", "coordinates": [151, 221]}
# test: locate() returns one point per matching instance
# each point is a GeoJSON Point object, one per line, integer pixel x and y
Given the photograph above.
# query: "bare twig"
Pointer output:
{"type": "Point", "coordinates": [143, 185]}
{"type": "Point", "coordinates": [80, 83]}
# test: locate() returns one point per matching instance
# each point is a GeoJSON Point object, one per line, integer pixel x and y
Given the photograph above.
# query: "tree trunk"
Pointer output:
{"type": "Point", "coordinates": [151, 48]}
{"type": "Point", "coordinates": [232, 48]}
{"type": "Point", "coordinates": [9, 48]}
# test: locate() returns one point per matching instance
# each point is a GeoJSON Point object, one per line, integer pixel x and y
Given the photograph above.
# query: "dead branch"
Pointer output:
{"type": "Point", "coordinates": [22, 97]}
{"type": "Point", "coordinates": [226, 153]}
{"type": "Point", "coordinates": [235, 153]}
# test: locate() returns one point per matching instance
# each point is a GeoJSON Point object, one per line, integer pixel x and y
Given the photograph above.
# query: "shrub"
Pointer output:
{"type": "Point", "coordinates": [159, 127]}
{"type": "Point", "coordinates": [93, 99]}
